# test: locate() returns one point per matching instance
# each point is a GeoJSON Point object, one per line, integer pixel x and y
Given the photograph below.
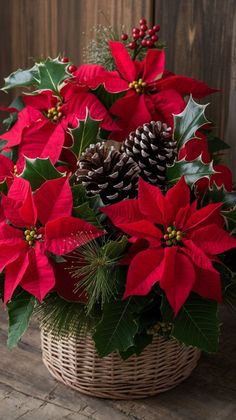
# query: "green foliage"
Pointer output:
{"type": "Point", "coordinates": [106, 97]}
{"type": "Point", "coordinates": [196, 324]}
{"type": "Point", "coordinates": [3, 187]}
{"type": "Point", "coordinates": [20, 309]}
{"type": "Point", "coordinates": [87, 208]}
{"type": "Point", "coordinates": [96, 268]}
{"type": "Point", "coordinates": [21, 78]}
{"type": "Point", "coordinates": [117, 328]}
{"type": "Point", "coordinates": [192, 171]}
{"type": "Point", "coordinates": [51, 74]}
{"type": "Point", "coordinates": [191, 119]}
{"type": "Point", "coordinates": [215, 144]}
{"type": "Point", "coordinates": [141, 340]}
{"type": "Point", "coordinates": [9, 121]}
{"type": "Point", "coordinates": [61, 316]}
{"type": "Point", "coordinates": [84, 134]}
{"type": "Point", "coordinates": [217, 194]}
{"type": "Point", "coordinates": [230, 217]}
{"type": "Point", "coordinates": [37, 171]}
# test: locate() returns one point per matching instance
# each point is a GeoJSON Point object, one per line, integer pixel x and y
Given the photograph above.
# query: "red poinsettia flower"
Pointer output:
{"type": "Point", "coordinates": [7, 168]}
{"type": "Point", "coordinates": [183, 243]}
{"type": "Point", "coordinates": [151, 93]}
{"type": "Point", "coordinates": [35, 226]}
{"type": "Point", "coordinates": [42, 126]}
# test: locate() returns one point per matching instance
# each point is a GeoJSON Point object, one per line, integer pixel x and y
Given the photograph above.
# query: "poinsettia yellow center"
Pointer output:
{"type": "Point", "coordinates": [31, 235]}
{"type": "Point", "coordinates": [138, 85]}
{"type": "Point", "coordinates": [54, 113]}
{"type": "Point", "coordinates": [173, 236]}
{"type": "Point", "coordinates": [15, 171]}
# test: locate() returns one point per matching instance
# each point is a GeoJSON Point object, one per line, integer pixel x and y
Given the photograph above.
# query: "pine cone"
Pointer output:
{"type": "Point", "coordinates": [151, 146]}
{"type": "Point", "coordinates": [108, 172]}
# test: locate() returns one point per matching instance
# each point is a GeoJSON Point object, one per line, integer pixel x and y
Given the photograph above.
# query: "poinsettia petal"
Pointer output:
{"type": "Point", "coordinates": [94, 75]}
{"type": "Point", "coordinates": [222, 177]}
{"type": "Point", "coordinates": [178, 277]}
{"type": "Point", "coordinates": [164, 104]}
{"type": "Point", "coordinates": [124, 64]}
{"type": "Point", "coordinates": [186, 86]}
{"type": "Point", "coordinates": [126, 211]}
{"type": "Point", "coordinates": [129, 121]}
{"type": "Point", "coordinates": [14, 274]}
{"type": "Point", "coordinates": [213, 240]}
{"type": "Point", "coordinates": [26, 117]}
{"type": "Point", "coordinates": [151, 201]}
{"type": "Point", "coordinates": [38, 278]}
{"type": "Point", "coordinates": [42, 101]}
{"type": "Point", "coordinates": [43, 139]}
{"type": "Point", "coordinates": [197, 255]}
{"type": "Point", "coordinates": [194, 148]}
{"type": "Point", "coordinates": [6, 167]}
{"type": "Point", "coordinates": [205, 215]}
{"type": "Point", "coordinates": [208, 284]}
{"type": "Point", "coordinates": [154, 64]}
{"type": "Point", "coordinates": [60, 202]}
{"type": "Point", "coordinates": [64, 234]}
{"type": "Point", "coordinates": [142, 229]}
{"type": "Point", "coordinates": [18, 205]}
{"type": "Point", "coordinates": [142, 276]}
{"type": "Point", "coordinates": [176, 198]}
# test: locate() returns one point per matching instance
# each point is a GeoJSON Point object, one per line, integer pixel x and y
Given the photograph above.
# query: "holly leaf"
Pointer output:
{"type": "Point", "coordinates": [51, 73]}
{"type": "Point", "coordinates": [20, 310]}
{"type": "Point", "coordinates": [21, 78]}
{"type": "Point", "coordinates": [196, 324]}
{"type": "Point", "coordinates": [117, 328]}
{"type": "Point", "coordinates": [191, 119]}
{"type": "Point", "coordinates": [191, 170]}
{"type": "Point", "coordinates": [84, 134]}
{"type": "Point", "coordinates": [107, 98]}
{"type": "Point", "coordinates": [216, 194]}
{"type": "Point", "coordinates": [37, 171]}
{"type": "Point", "coordinates": [230, 217]}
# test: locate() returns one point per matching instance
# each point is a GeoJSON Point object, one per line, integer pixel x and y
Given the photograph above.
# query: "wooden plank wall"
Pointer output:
{"type": "Point", "coordinates": [200, 34]}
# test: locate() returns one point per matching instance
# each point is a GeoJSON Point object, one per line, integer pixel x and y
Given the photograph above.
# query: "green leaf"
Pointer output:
{"type": "Point", "coordinates": [21, 78]}
{"type": "Point", "coordinates": [217, 194]}
{"type": "Point", "coordinates": [188, 122]}
{"type": "Point", "coordinates": [215, 144]}
{"type": "Point", "coordinates": [86, 213]}
{"type": "Point", "coordinates": [107, 98]}
{"type": "Point", "coordinates": [51, 73]}
{"type": "Point", "coordinates": [19, 311]}
{"type": "Point", "coordinates": [114, 249]}
{"type": "Point", "coordinates": [192, 171]}
{"type": "Point", "coordinates": [196, 324]}
{"type": "Point", "coordinates": [3, 187]}
{"type": "Point", "coordinates": [37, 171]}
{"type": "Point", "coordinates": [117, 328]}
{"type": "Point", "coordinates": [84, 134]}
{"type": "Point", "coordinates": [141, 341]}
{"type": "Point", "coordinates": [230, 217]}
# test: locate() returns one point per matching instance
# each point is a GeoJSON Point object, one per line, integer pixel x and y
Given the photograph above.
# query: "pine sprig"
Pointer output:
{"type": "Point", "coordinates": [98, 51]}
{"type": "Point", "coordinates": [62, 317]}
{"type": "Point", "coordinates": [96, 268]}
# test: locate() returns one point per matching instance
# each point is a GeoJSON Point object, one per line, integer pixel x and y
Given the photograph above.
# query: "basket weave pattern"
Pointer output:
{"type": "Point", "coordinates": [74, 361]}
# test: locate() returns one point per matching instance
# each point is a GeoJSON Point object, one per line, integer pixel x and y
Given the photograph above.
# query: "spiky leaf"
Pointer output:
{"type": "Point", "coordinates": [51, 74]}
{"type": "Point", "coordinates": [85, 212]}
{"type": "Point", "coordinates": [191, 119]}
{"type": "Point", "coordinates": [37, 171]}
{"type": "Point", "coordinates": [217, 194]}
{"type": "Point", "coordinates": [21, 78]}
{"type": "Point", "coordinates": [196, 324]}
{"type": "Point", "coordinates": [84, 134]}
{"type": "Point", "coordinates": [20, 310]}
{"type": "Point", "coordinates": [117, 328]}
{"type": "Point", "coordinates": [192, 171]}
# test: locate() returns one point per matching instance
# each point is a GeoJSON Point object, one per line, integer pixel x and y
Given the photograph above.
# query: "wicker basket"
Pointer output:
{"type": "Point", "coordinates": [73, 361]}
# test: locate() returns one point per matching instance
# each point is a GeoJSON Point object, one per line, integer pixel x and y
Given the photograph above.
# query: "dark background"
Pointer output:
{"type": "Point", "coordinates": [200, 36]}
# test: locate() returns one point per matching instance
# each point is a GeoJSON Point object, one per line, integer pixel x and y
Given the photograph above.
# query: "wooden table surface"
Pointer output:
{"type": "Point", "coordinates": [28, 392]}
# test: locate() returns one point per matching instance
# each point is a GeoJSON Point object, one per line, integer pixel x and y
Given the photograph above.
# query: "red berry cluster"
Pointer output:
{"type": "Point", "coordinates": [143, 36]}
{"type": "Point", "coordinates": [71, 68]}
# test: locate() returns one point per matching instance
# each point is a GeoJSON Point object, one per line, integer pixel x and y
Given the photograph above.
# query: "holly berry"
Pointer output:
{"type": "Point", "coordinates": [124, 37]}
{"type": "Point", "coordinates": [142, 34]}
{"type": "Point", "coordinates": [72, 68]}
{"type": "Point", "coordinates": [144, 43]}
{"type": "Point", "coordinates": [155, 38]}
{"type": "Point", "coordinates": [151, 32]}
{"type": "Point", "coordinates": [135, 30]}
{"type": "Point", "coordinates": [143, 21]}
{"type": "Point", "coordinates": [143, 28]}
{"type": "Point", "coordinates": [156, 28]}
{"type": "Point", "coordinates": [150, 43]}
{"type": "Point", "coordinates": [64, 59]}
{"type": "Point", "coordinates": [136, 36]}
{"type": "Point", "coordinates": [132, 45]}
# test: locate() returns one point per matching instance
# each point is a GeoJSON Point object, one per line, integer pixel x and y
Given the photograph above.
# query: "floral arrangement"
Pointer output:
{"type": "Point", "coordinates": [117, 213]}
